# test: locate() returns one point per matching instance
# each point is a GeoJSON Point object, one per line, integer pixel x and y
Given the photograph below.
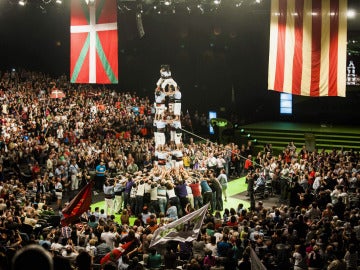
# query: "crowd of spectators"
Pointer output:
{"type": "Point", "coordinates": [50, 148]}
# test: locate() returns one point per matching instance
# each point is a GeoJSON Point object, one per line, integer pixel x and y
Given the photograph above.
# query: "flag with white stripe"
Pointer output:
{"type": "Point", "coordinates": [94, 42]}
{"type": "Point", "coordinates": [307, 54]}
{"type": "Point", "coordinates": [184, 229]}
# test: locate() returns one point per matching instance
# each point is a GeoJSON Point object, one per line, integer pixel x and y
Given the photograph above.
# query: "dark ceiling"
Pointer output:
{"type": "Point", "coordinates": [211, 50]}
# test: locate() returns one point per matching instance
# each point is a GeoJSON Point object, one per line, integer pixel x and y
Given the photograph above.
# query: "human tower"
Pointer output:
{"type": "Point", "coordinates": [167, 122]}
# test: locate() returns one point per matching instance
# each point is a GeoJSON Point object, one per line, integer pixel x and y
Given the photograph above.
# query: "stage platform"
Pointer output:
{"type": "Point", "coordinates": [321, 136]}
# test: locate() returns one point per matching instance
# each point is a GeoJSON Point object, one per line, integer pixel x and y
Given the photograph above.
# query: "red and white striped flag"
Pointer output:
{"type": "Point", "coordinates": [94, 42]}
{"type": "Point", "coordinates": [307, 54]}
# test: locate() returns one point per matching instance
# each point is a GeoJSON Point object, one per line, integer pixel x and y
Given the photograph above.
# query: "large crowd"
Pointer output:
{"type": "Point", "coordinates": [52, 147]}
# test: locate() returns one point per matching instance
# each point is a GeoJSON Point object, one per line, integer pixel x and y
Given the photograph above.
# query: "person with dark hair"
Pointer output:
{"type": "Point", "coordinates": [245, 264]}
{"type": "Point", "coordinates": [83, 261]}
{"type": "Point", "coordinates": [154, 259]}
{"type": "Point", "coordinates": [185, 250]}
{"type": "Point", "coordinates": [101, 250]}
{"type": "Point", "coordinates": [32, 253]}
{"type": "Point", "coordinates": [209, 260]}
{"type": "Point", "coordinates": [199, 248]}
{"type": "Point", "coordinates": [250, 189]}
{"type": "Point", "coordinates": [206, 193]}
{"type": "Point", "coordinates": [223, 247]}
{"type": "Point", "coordinates": [170, 257]}
{"type": "Point", "coordinates": [315, 260]}
{"type": "Point", "coordinates": [61, 263]}
{"type": "Point", "coordinates": [351, 258]}
{"type": "Point", "coordinates": [212, 246]}
{"type": "Point", "coordinates": [109, 266]}
{"type": "Point", "coordinates": [128, 186]}
{"type": "Point", "coordinates": [135, 264]}
{"type": "Point", "coordinates": [133, 249]}
{"type": "Point", "coordinates": [100, 176]}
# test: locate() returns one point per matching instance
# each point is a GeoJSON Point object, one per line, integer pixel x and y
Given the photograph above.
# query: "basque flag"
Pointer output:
{"type": "Point", "coordinates": [307, 54]}
{"type": "Point", "coordinates": [94, 42]}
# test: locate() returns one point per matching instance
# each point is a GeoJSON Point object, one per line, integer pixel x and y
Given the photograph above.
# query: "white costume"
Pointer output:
{"type": "Point", "coordinates": [160, 133]}
{"type": "Point", "coordinates": [175, 132]}
{"type": "Point", "coordinates": [177, 103]}
{"type": "Point", "coordinates": [159, 103]}
{"type": "Point", "coordinates": [177, 157]}
{"type": "Point", "coordinates": [162, 157]}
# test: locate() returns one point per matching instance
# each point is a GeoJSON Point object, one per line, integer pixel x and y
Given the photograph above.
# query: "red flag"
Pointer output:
{"type": "Point", "coordinates": [307, 54]}
{"type": "Point", "coordinates": [116, 253]}
{"type": "Point", "coordinates": [56, 93]}
{"type": "Point", "coordinates": [94, 42]}
{"type": "Point", "coordinates": [78, 205]}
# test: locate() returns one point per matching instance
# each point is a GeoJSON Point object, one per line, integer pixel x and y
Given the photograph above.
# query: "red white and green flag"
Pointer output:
{"type": "Point", "coordinates": [94, 42]}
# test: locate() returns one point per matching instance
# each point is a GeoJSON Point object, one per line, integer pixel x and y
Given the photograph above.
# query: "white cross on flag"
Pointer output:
{"type": "Point", "coordinates": [56, 93]}
{"type": "Point", "coordinates": [94, 42]}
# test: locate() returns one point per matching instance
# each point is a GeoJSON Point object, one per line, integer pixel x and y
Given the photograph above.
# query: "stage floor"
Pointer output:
{"type": "Point", "coordinates": [236, 194]}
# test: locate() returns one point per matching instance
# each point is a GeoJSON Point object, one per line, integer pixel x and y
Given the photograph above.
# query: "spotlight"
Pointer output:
{"type": "Point", "coordinates": [248, 135]}
{"type": "Point", "coordinates": [242, 130]}
{"type": "Point", "coordinates": [90, 2]}
{"type": "Point", "coordinates": [255, 140]}
{"type": "Point", "coordinates": [22, 3]}
{"type": "Point", "coordinates": [217, 2]}
{"type": "Point", "coordinates": [59, 2]}
{"type": "Point", "coordinates": [167, 3]}
{"type": "Point", "coordinates": [155, 7]}
{"type": "Point", "coordinates": [351, 14]}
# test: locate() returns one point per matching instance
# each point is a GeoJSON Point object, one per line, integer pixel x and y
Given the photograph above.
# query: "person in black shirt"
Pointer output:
{"type": "Point", "coordinates": [250, 189]}
{"type": "Point", "coordinates": [170, 258]}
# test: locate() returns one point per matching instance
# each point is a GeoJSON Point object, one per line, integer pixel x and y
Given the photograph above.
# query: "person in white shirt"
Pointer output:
{"type": "Point", "coordinates": [159, 104]}
{"type": "Point", "coordinates": [177, 103]}
{"type": "Point", "coordinates": [317, 181]}
{"type": "Point", "coordinates": [58, 191]}
{"type": "Point", "coordinates": [165, 78]}
{"type": "Point", "coordinates": [74, 171]}
{"type": "Point", "coordinates": [222, 178]}
{"type": "Point", "coordinates": [159, 135]}
{"type": "Point", "coordinates": [109, 195]}
{"type": "Point", "coordinates": [175, 132]}
{"type": "Point", "coordinates": [109, 236]}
